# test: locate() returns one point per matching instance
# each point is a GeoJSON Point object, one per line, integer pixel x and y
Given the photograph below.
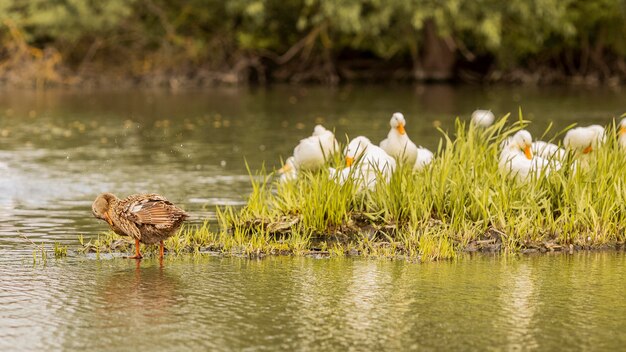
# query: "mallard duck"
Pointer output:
{"type": "Point", "coordinates": [584, 139]}
{"type": "Point", "coordinates": [147, 218]}
{"type": "Point", "coordinates": [398, 144]}
{"type": "Point", "coordinates": [482, 118]}
{"type": "Point", "coordinates": [517, 160]}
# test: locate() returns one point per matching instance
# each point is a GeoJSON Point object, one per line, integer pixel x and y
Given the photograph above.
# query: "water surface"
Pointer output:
{"type": "Point", "coordinates": [545, 303]}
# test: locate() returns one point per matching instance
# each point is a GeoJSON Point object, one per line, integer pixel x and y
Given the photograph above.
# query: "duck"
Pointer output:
{"type": "Point", "coordinates": [548, 151]}
{"type": "Point", "coordinates": [482, 118]}
{"type": "Point", "coordinates": [621, 133]}
{"type": "Point", "coordinates": [424, 158]}
{"type": "Point", "coordinates": [312, 152]}
{"type": "Point", "coordinates": [517, 160]}
{"type": "Point", "coordinates": [584, 139]}
{"type": "Point", "coordinates": [147, 218]}
{"type": "Point", "coordinates": [339, 175]}
{"type": "Point", "coordinates": [366, 162]}
{"type": "Point", "coordinates": [398, 144]}
{"type": "Point", "coordinates": [288, 172]}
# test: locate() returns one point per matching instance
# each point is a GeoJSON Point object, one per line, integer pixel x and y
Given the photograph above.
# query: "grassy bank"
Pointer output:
{"type": "Point", "coordinates": [462, 202]}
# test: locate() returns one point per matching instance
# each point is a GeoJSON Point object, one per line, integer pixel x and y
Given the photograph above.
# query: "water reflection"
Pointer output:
{"type": "Point", "coordinates": [518, 304]}
{"type": "Point", "coordinates": [142, 301]}
{"type": "Point", "coordinates": [287, 303]}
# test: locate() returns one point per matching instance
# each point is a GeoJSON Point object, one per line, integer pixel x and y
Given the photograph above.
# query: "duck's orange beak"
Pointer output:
{"type": "Point", "coordinates": [349, 161]}
{"type": "Point", "coordinates": [588, 150]}
{"type": "Point", "coordinates": [528, 153]}
{"type": "Point", "coordinates": [108, 218]}
{"type": "Point", "coordinates": [400, 129]}
{"type": "Point", "coordinates": [622, 131]}
{"type": "Point", "coordinates": [285, 168]}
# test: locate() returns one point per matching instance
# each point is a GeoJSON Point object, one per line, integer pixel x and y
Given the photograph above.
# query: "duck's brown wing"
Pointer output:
{"type": "Point", "coordinates": [153, 209]}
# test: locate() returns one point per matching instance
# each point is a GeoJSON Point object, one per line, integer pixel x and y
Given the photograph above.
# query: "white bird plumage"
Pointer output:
{"type": "Point", "coordinates": [548, 151]}
{"type": "Point", "coordinates": [584, 139]}
{"type": "Point", "coordinates": [289, 171]}
{"type": "Point", "coordinates": [482, 118]}
{"type": "Point", "coordinates": [424, 157]}
{"type": "Point", "coordinates": [367, 162]}
{"type": "Point", "coordinates": [311, 153]}
{"type": "Point", "coordinates": [398, 144]}
{"type": "Point", "coordinates": [517, 160]}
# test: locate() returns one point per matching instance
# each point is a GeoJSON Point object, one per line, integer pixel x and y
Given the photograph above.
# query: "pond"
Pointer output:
{"type": "Point", "coordinates": [59, 149]}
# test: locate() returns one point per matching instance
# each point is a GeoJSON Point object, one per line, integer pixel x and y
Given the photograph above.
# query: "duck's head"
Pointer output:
{"type": "Point", "coordinates": [290, 165]}
{"type": "Point", "coordinates": [483, 118]}
{"type": "Point", "coordinates": [355, 148]}
{"type": "Point", "coordinates": [584, 139]}
{"type": "Point", "coordinates": [101, 206]}
{"type": "Point", "coordinates": [397, 121]}
{"type": "Point", "coordinates": [318, 130]}
{"type": "Point", "coordinates": [523, 141]}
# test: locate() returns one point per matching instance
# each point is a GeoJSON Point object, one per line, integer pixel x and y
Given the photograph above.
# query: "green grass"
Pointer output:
{"type": "Point", "coordinates": [460, 202]}
{"type": "Point", "coordinates": [60, 251]}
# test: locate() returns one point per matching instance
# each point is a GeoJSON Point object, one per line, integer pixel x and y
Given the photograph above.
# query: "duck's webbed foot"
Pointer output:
{"type": "Point", "coordinates": [137, 253]}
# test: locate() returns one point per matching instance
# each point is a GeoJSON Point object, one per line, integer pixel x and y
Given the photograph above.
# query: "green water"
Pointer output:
{"type": "Point", "coordinates": [58, 150]}
{"type": "Point", "coordinates": [544, 303]}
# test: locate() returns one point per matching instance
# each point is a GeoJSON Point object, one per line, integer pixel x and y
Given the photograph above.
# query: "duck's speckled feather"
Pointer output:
{"type": "Point", "coordinates": [150, 218]}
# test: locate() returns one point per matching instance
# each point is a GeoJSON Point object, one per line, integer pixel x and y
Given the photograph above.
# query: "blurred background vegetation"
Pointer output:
{"type": "Point", "coordinates": [203, 42]}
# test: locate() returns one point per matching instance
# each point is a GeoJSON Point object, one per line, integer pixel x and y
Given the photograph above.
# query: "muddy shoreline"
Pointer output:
{"type": "Point", "coordinates": [351, 240]}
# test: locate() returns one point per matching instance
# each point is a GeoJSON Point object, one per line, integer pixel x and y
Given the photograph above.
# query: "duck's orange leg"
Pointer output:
{"type": "Point", "coordinates": [161, 250]}
{"type": "Point", "coordinates": [137, 253]}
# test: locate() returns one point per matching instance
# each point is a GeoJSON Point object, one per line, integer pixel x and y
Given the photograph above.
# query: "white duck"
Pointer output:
{"type": "Point", "coordinates": [621, 132]}
{"type": "Point", "coordinates": [517, 160]}
{"type": "Point", "coordinates": [424, 157]}
{"type": "Point", "coordinates": [584, 139]}
{"type": "Point", "coordinates": [548, 151]}
{"type": "Point", "coordinates": [397, 144]}
{"type": "Point", "coordinates": [327, 140]}
{"type": "Point", "coordinates": [367, 163]}
{"type": "Point", "coordinates": [312, 152]}
{"type": "Point", "coordinates": [288, 172]}
{"type": "Point", "coordinates": [482, 118]}
{"type": "Point", "coordinates": [339, 175]}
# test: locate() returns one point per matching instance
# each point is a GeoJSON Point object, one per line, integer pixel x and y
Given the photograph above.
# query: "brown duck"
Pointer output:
{"type": "Point", "coordinates": [147, 218]}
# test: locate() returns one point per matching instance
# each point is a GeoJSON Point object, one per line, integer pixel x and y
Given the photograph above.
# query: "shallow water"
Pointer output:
{"type": "Point", "coordinates": [558, 302]}
{"type": "Point", "coordinates": [58, 150]}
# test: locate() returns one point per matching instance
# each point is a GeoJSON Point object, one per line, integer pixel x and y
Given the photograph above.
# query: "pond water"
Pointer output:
{"type": "Point", "coordinates": [59, 149]}
{"type": "Point", "coordinates": [563, 302]}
